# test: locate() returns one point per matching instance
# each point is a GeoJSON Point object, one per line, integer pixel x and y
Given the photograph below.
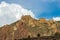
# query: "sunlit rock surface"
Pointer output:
{"type": "Point", "coordinates": [29, 26]}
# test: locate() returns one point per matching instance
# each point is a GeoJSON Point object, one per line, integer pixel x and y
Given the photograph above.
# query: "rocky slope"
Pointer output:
{"type": "Point", "coordinates": [29, 26]}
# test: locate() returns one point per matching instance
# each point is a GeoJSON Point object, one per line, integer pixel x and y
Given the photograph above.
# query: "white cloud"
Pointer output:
{"type": "Point", "coordinates": [56, 18]}
{"type": "Point", "coordinates": [12, 12]}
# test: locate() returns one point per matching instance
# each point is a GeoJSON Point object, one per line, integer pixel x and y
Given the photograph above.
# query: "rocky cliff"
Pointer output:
{"type": "Point", "coordinates": [29, 26]}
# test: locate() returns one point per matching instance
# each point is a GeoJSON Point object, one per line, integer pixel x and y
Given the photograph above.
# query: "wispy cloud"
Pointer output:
{"type": "Point", "coordinates": [12, 12]}
{"type": "Point", "coordinates": [56, 18]}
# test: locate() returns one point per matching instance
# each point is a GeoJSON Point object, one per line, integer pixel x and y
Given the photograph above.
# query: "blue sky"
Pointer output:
{"type": "Point", "coordinates": [41, 8]}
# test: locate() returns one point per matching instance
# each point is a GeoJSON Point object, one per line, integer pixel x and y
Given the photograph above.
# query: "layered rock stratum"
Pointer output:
{"type": "Point", "coordinates": [28, 26]}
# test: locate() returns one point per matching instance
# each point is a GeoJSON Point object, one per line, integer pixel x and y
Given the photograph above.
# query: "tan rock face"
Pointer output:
{"type": "Point", "coordinates": [58, 26]}
{"type": "Point", "coordinates": [42, 20]}
{"type": "Point", "coordinates": [28, 26]}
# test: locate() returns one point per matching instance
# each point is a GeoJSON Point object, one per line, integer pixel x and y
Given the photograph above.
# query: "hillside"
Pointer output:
{"type": "Point", "coordinates": [29, 26]}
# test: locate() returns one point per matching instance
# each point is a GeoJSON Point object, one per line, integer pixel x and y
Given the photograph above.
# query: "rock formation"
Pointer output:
{"type": "Point", "coordinates": [28, 26]}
